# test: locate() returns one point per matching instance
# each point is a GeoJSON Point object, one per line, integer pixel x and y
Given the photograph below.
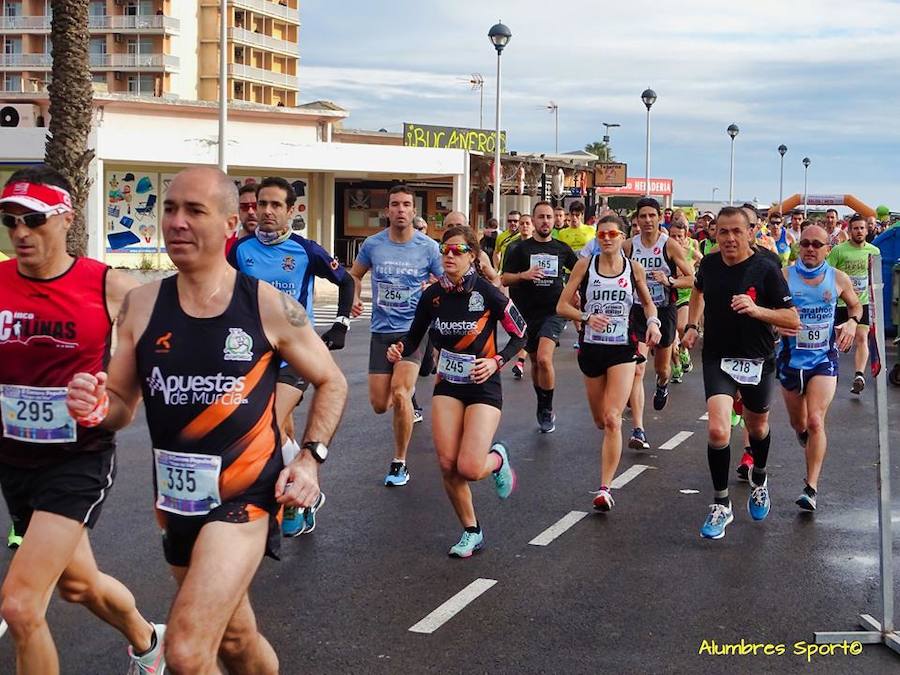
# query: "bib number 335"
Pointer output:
{"type": "Point", "coordinates": [187, 483]}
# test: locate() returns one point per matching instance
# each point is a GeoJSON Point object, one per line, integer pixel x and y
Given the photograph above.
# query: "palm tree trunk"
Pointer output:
{"type": "Point", "coordinates": [71, 109]}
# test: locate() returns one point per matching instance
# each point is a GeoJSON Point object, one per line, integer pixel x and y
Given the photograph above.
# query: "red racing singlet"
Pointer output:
{"type": "Point", "coordinates": [209, 390]}
{"type": "Point", "coordinates": [50, 329]}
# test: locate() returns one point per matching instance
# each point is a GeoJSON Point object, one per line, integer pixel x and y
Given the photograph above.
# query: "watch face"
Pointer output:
{"type": "Point", "coordinates": [317, 450]}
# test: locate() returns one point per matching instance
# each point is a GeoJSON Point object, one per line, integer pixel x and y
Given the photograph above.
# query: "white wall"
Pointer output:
{"type": "Point", "coordinates": [186, 47]}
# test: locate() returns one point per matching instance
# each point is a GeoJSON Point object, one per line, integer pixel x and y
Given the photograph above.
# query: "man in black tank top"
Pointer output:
{"type": "Point", "coordinates": [204, 348]}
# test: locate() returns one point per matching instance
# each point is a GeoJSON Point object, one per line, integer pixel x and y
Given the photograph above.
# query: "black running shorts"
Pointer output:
{"type": "Point", "coordinates": [668, 319]}
{"type": "Point", "coordinates": [595, 360]}
{"type": "Point", "coordinates": [290, 377]}
{"type": "Point", "coordinates": [378, 346]}
{"type": "Point", "coordinates": [550, 327]}
{"type": "Point", "coordinates": [757, 397]}
{"type": "Point", "coordinates": [75, 488]}
{"type": "Point", "coordinates": [841, 315]}
{"type": "Point", "coordinates": [487, 393]}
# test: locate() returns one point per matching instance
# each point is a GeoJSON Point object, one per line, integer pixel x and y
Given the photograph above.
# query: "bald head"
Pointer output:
{"type": "Point", "coordinates": [814, 232]}
{"type": "Point", "coordinates": [220, 186]}
{"type": "Point", "coordinates": [455, 218]}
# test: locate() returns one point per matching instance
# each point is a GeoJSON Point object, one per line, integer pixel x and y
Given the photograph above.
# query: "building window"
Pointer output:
{"type": "Point", "coordinates": [12, 8]}
{"type": "Point", "coordinates": [12, 46]}
{"type": "Point", "coordinates": [99, 78]}
{"type": "Point", "coordinates": [139, 8]}
{"type": "Point", "coordinates": [144, 85]}
{"type": "Point", "coordinates": [12, 83]}
{"type": "Point", "coordinates": [97, 8]}
{"type": "Point", "coordinates": [98, 45]}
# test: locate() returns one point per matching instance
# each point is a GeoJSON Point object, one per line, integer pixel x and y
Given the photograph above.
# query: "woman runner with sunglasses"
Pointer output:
{"type": "Point", "coordinates": [462, 312]}
{"type": "Point", "coordinates": [607, 285]}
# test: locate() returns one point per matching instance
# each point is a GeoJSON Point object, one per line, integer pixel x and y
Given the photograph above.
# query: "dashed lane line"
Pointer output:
{"type": "Point", "coordinates": [676, 440]}
{"type": "Point", "coordinates": [560, 526]}
{"type": "Point", "coordinates": [628, 475]}
{"type": "Point", "coordinates": [452, 607]}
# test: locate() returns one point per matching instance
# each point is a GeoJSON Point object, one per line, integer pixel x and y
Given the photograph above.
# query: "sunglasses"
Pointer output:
{"type": "Point", "coordinates": [807, 243]}
{"type": "Point", "coordinates": [246, 206]}
{"type": "Point", "coordinates": [512, 220]}
{"type": "Point", "coordinates": [607, 234]}
{"type": "Point", "coordinates": [455, 249]}
{"type": "Point", "coordinates": [774, 222]}
{"type": "Point", "coordinates": [29, 220]}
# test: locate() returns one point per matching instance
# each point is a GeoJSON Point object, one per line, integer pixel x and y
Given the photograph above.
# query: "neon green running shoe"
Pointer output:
{"type": "Point", "coordinates": [736, 420]}
{"type": "Point", "coordinates": [677, 373]}
{"type": "Point", "coordinates": [13, 540]}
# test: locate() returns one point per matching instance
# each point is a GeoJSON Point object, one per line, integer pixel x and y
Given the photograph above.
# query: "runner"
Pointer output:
{"type": "Point", "coordinates": [577, 235]}
{"type": "Point", "coordinates": [852, 257]}
{"type": "Point", "coordinates": [202, 348]}
{"type": "Point", "coordinates": [559, 220]}
{"type": "Point", "coordinates": [681, 357]}
{"type": "Point", "coordinates": [534, 271]}
{"type": "Point", "coordinates": [795, 227]}
{"type": "Point", "coordinates": [667, 270]}
{"type": "Point", "coordinates": [512, 227]}
{"type": "Point", "coordinates": [781, 238]}
{"type": "Point", "coordinates": [461, 314]}
{"type": "Point", "coordinates": [741, 295]}
{"type": "Point", "coordinates": [808, 359]}
{"type": "Point", "coordinates": [835, 234]}
{"type": "Point", "coordinates": [56, 319]}
{"type": "Point", "coordinates": [708, 244]}
{"type": "Point", "coordinates": [525, 231]}
{"type": "Point", "coordinates": [291, 263]}
{"type": "Point", "coordinates": [600, 294]}
{"type": "Point", "coordinates": [402, 262]}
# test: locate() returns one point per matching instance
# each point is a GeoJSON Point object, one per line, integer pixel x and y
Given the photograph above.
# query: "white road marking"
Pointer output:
{"type": "Point", "coordinates": [690, 492]}
{"type": "Point", "coordinates": [558, 528]}
{"type": "Point", "coordinates": [704, 417]}
{"type": "Point", "coordinates": [452, 607]}
{"type": "Point", "coordinates": [676, 440]}
{"type": "Point", "coordinates": [628, 475]}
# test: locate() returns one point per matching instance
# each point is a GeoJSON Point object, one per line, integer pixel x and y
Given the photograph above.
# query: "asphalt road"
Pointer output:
{"type": "Point", "coordinates": [633, 591]}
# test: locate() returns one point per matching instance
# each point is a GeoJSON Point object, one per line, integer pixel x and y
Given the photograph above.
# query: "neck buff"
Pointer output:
{"type": "Point", "coordinates": [465, 285]}
{"type": "Point", "coordinates": [809, 272]}
{"type": "Point", "coordinates": [272, 238]}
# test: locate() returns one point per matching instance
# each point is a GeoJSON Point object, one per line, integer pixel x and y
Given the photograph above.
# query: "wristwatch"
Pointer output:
{"type": "Point", "coordinates": [318, 450]}
{"type": "Point", "coordinates": [343, 320]}
{"type": "Point", "coordinates": [585, 316]}
{"type": "Point", "coordinates": [691, 326]}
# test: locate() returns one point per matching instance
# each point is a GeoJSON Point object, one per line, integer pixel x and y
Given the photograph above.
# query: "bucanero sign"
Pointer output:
{"type": "Point", "coordinates": [462, 138]}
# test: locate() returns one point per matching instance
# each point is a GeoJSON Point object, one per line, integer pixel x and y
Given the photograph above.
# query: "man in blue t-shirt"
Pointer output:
{"type": "Point", "coordinates": [402, 262]}
{"type": "Point", "coordinates": [291, 263]}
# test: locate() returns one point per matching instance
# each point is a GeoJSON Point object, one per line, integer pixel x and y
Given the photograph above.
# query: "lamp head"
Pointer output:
{"type": "Point", "coordinates": [806, 162]}
{"type": "Point", "coordinates": [500, 35]}
{"type": "Point", "coordinates": [782, 149]}
{"type": "Point", "coordinates": [732, 130]}
{"type": "Point", "coordinates": [648, 97]}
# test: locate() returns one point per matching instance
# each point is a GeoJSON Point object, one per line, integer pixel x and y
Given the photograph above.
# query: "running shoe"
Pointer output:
{"type": "Point", "coordinates": [575, 346]}
{"type": "Point", "coordinates": [736, 420]}
{"type": "Point", "coordinates": [638, 440]}
{"type": "Point", "coordinates": [417, 415]}
{"type": "Point", "coordinates": [505, 476]}
{"type": "Point", "coordinates": [719, 517]}
{"type": "Point", "coordinates": [153, 662]}
{"type": "Point", "coordinates": [469, 543]}
{"type": "Point", "coordinates": [309, 514]}
{"type": "Point", "coordinates": [677, 373]}
{"type": "Point", "coordinates": [603, 500]}
{"type": "Point", "coordinates": [743, 470]}
{"type": "Point", "coordinates": [661, 396]}
{"type": "Point", "coordinates": [802, 438]}
{"type": "Point", "coordinates": [397, 475]}
{"type": "Point", "coordinates": [807, 501]}
{"type": "Point", "coordinates": [758, 503]}
{"type": "Point", "coordinates": [546, 421]}
{"type": "Point", "coordinates": [859, 383]}
{"type": "Point", "coordinates": [518, 369]}
{"type": "Point", "coordinates": [292, 522]}
{"type": "Point", "coordinates": [686, 364]}
{"type": "Point", "coordinates": [13, 540]}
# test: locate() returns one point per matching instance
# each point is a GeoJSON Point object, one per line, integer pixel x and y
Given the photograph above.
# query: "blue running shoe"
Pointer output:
{"type": "Point", "coordinates": [292, 522]}
{"type": "Point", "coordinates": [397, 475]}
{"type": "Point", "coordinates": [758, 504]}
{"type": "Point", "coordinates": [638, 440]}
{"type": "Point", "coordinates": [469, 543]}
{"type": "Point", "coordinates": [505, 476]}
{"type": "Point", "coordinates": [719, 518]}
{"type": "Point", "coordinates": [806, 501]}
{"type": "Point", "coordinates": [309, 514]}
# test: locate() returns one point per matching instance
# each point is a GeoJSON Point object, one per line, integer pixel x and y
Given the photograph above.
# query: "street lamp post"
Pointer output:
{"type": "Point", "coordinates": [499, 36]}
{"type": "Point", "coordinates": [806, 164]}
{"type": "Point", "coordinates": [606, 137]}
{"type": "Point", "coordinates": [715, 190]}
{"type": "Point", "coordinates": [554, 108]}
{"type": "Point", "coordinates": [732, 131]}
{"type": "Point", "coordinates": [223, 84]}
{"type": "Point", "coordinates": [781, 150]}
{"type": "Point", "coordinates": [649, 98]}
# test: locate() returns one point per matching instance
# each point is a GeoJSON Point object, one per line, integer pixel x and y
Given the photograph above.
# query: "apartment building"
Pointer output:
{"type": "Point", "coordinates": [163, 48]}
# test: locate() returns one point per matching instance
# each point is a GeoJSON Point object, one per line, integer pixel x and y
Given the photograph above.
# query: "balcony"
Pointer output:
{"type": "Point", "coordinates": [263, 41]}
{"type": "Point", "coordinates": [25, 61]}
{"type": "Point", "coordinates": [24, 24]}
{"type": "Point", "coordinates": [267, 8]}
{"type": "Point", "coordinates": [134, 62]}
{"type": "Point", "coordinates": [282, 80]}
{"type": "Point", "coordinates": [141, 24]}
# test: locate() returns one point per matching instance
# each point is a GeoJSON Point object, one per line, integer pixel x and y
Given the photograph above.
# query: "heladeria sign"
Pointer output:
{"type": "Point", "coordinates": [427, 136]}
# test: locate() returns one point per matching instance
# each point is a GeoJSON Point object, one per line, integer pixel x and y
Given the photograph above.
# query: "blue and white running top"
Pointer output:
{"type": "Point", "coordinates": [399, 274]}
{"type": "Point", "coordinates": [814, 343]}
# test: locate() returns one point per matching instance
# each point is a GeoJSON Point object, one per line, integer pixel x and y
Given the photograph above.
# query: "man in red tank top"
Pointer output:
{"type": "Point", "coordinates": [55, 320]}
{"type": "Point", "coordinates": [220, 481]}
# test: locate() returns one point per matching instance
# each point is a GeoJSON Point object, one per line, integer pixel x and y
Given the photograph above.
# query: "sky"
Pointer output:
{"type": "Point", "coordinates": [820, 76]}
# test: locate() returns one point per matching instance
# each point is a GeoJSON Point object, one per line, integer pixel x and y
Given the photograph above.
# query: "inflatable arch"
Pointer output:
{"type": "Point", "coordinates": [849, 201]}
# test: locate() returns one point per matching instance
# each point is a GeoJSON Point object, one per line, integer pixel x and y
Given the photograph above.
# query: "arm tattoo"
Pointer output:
{"type": "Point", "coordinates": [293, 311]}
{"type": "Point", "coordinates": [123, 309]}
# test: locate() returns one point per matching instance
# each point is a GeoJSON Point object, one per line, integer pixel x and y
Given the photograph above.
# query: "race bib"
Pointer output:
{"type": "Point", "coordinates": [615, 333]}
{"type": "Point", "coordinates": [814, 336]}
{"type": "Point", "coordinates": [860, 284]}
{"type": "Point", "coordinates": [657, 292]}
{"type": "Point", "coordinates": [743, 371]}
{"type": "Point", "coordinates": [456, 368]}
{"type": "Point", "coordinates": [186, 483]}
{"type": "Point", "coordinates": [396, 297]}
{"type": "Point", "coordinates": [549, 264]}
{"type": "Point", "coordinates": [36, 414]}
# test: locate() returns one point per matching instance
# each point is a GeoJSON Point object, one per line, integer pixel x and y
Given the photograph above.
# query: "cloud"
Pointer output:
{"type": "Point", "coordinates": [816, 75]}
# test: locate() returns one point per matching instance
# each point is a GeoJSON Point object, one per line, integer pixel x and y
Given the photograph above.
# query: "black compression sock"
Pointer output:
{"type": "Point", "coordinates": [859, 373]}
{"type": "Point", "coordinates": [719, 461]}
{"type": "Point", "coordinates": [415, 402]}
{"type": "Point", "coordinates": [810, 491]}
{"type": "Point", "coordinates": [760, 452]}
{"type": "Point", "coordinates": [545, 398]}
